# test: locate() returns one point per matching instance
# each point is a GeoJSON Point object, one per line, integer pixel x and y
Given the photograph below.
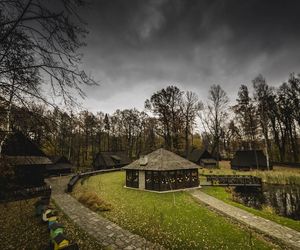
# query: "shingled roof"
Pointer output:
{"type": "Point", "coordinates": [197, 154]}
{"type": "Point", "coordinates": [59, 162]}
{"type": "Point", "coordinates": [161, 160]}
{"type": "Point", "coordinates": [110, 159]}
{"type": "Point", "coordinates": [18, 149]}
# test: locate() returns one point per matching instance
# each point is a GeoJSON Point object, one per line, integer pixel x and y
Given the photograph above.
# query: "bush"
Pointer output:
{"type": "Point", "coordinates": [268, 209]}
{"type": "Point", "coordinates": [94, 202]}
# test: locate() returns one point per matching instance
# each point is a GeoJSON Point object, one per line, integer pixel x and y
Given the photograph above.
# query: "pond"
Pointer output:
{"type": "Point", "coordinates": [284, 200]}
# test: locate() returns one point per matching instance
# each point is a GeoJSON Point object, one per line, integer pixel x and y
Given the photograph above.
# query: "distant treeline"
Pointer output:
{"type": "Point", "coordinates": [268, 119]}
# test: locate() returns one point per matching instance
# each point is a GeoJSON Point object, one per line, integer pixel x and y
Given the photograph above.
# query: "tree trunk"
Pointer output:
{"type": "Point", "coordinates": [186, 141]}
{"type": "Point", "coordinates": [8, 115]}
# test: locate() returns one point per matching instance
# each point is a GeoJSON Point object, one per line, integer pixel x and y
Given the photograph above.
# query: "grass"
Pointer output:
{"type": "Point", "coordinates": [173, 220]}
{"type": "Point", "coordinates": [279, 175]}
{"type": "Point", "coordinates": [21, 229]}
{"type": "Point", "coordinates": [267, 213]}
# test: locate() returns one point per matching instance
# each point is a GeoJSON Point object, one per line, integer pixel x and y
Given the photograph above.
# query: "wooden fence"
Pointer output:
{"type": "Point", "coordinates": [25, 193]}
{"type": "Point", "coordinates": [231, 180]}
{"type": "Point", "coordinates": [75, 178]}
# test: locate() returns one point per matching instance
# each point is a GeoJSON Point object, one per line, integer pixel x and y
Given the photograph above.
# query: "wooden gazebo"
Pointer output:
{"type": "Point", "coordinates": [162, 170]}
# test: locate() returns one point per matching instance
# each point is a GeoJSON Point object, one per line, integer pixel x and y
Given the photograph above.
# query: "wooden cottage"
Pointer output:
{"type": "Point", "coordinates": [60, 166]}
{"type": "Point", "coordinates": [27, 159]}
{"type": "Point", "coordinates": [202, 157]}
{"type": "Point", "coordinates": [249, 159]}
{"type": "Point", "coordinates": [162, 170]}
{"type": "Point", "coordinates": [109, 160]}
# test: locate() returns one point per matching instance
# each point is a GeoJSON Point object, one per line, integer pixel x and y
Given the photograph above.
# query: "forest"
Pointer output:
{"type": "Point", "coordinates": [40, 63]}
{"type": "Point", "coordinates": [266, 118]}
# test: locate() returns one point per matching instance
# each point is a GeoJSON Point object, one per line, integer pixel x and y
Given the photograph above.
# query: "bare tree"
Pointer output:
{"type": "Point", "coordinates": [166, 105]}
{"type": "Point", "coordinates": [246, 115]}
{"type": "Point", "coordinates": [294, 94]}
{"type": "Point", "coordinates": [262, 95]}
{"type": "Point", "coordinates": [286, 112]}
{"type": "Point", "coordinates": [190, 109]}
{"type": "Point", "coordinates": [38, 45]}
{"type": "Point", "coordinates": [214, 116]}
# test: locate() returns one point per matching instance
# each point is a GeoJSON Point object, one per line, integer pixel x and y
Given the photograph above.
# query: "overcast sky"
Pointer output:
{"type": "Point", "coordinates": [136, 47]}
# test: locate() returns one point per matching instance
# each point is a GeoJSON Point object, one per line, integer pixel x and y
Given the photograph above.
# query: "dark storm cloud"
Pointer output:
{"type": "Point", "coordinates": [139, 46]}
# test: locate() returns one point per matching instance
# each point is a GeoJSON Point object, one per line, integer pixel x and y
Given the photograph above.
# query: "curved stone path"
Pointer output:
{"type": "Point", "coordinates": [110, 235]}
{"type": "Point", "coordinates": [286, 235]}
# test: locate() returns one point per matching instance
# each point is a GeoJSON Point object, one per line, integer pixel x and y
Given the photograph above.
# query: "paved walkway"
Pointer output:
{"type": "Point", "coordinates": [106, 232]}
{"type": "Point", "coordinates": [284, 234]}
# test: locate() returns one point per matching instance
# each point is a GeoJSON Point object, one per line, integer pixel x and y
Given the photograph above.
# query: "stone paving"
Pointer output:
{"type": "Point", "coordinates": [106, 232]}
{"type": "Point", "coordinates": [288, 236]}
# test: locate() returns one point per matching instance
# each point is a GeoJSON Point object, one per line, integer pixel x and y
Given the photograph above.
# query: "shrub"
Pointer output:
{"type": "Point", "coordinates": [268, 209]}
{"type": "Point", "coordinates": [94, 202]}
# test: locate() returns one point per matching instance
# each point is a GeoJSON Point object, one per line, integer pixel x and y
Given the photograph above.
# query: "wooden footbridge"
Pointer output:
{"type": "Point", "coordinates": [230, 180]}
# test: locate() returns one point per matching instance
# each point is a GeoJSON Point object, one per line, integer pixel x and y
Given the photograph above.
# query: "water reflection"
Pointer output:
{"type": "Point", "coordinates": [282, 199]}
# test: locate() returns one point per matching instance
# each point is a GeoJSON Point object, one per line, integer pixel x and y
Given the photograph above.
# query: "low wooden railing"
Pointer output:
{"type": "Point", "coordinates": [75, 178]}
{"type": "Point", "coordinates": [232, 180]}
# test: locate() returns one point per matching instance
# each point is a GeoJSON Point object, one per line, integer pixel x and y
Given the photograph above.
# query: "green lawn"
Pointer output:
{"type": "Point", "coordinates": [183, 225]}
{"type": "Point", "coordinates": [221, 194]}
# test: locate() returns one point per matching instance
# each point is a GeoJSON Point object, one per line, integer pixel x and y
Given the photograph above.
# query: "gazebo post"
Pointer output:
{"type": "Point", "coordinates": [142, 179]}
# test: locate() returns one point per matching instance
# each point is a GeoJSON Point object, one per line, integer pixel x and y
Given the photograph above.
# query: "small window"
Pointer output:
{"type": "Point", "coordinates": [132, 178]}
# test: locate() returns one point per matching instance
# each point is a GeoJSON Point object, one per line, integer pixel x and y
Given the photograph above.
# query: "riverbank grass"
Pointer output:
{"type": "Point", "coordinates": [173, 220]}
{"type": "Point", "coordinates": [267, 212]}
{"type": "Point", "coordinates": [279, 175]}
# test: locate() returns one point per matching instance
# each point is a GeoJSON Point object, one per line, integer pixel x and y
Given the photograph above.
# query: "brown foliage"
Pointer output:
{"type": "Point", "coordinates": [94, 202]}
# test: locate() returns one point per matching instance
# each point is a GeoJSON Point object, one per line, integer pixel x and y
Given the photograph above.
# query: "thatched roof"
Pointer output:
{"type": "Point", "coordinates": [247, 158]}
{"type": "Point", "coordinates": [19, 150]}
{"type": "Point", "coordinates": [161, 160]}
{"type": "Point", "coordinates": [197, 154]}
{"type": "Point", "coordinates": [110, 159]}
